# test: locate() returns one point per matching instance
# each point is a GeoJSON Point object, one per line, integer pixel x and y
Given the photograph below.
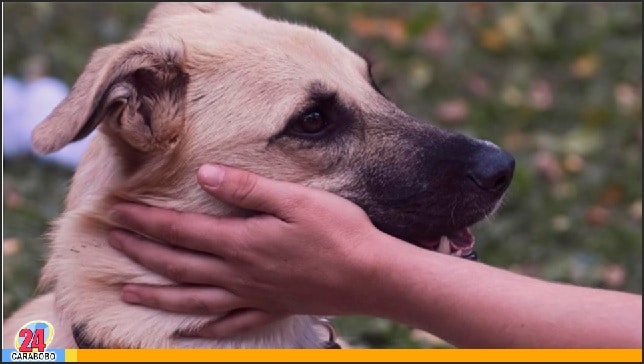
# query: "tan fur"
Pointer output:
{"type": "Point", "coordinates": [242, 87]}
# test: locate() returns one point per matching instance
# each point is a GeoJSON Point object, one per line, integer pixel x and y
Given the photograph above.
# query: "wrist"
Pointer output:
{"type": "Point", "coordinates": [381, 275]}
{"type": "Point", "coordinates": [403, 277]}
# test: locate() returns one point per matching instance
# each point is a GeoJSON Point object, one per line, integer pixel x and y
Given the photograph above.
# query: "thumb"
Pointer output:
{"type": "Point", "coordinates": [246, 189]}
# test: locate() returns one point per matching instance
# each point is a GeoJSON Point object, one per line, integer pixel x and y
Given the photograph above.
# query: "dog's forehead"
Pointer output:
{"type": "Point", "coordinates": [242, 64]}
{"type": "Point", "coordinates": [244, 38]}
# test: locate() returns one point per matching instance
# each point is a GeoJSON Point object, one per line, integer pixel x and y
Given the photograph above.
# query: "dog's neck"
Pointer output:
{"type": "Point", "coordinates": [87, 274]}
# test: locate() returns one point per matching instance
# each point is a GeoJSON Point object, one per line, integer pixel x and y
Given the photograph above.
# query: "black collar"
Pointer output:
{"type": "Point", "coordinates": [82, 340]}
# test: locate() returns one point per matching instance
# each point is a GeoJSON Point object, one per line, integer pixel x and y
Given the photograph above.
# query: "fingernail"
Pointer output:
{"type": "Point", "coordinates": [211, 175]}
{"type": "Point", "coordinates": [129, 295]}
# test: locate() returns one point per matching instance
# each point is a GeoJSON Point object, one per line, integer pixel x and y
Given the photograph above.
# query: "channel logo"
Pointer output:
{"type": "Point", "coordinates": [32, 343]}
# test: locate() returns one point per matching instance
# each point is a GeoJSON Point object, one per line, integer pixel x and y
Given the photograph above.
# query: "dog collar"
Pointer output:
{"type": "Point", "coordinates": [81, 339]}
{"type": "Point", "coordinates": [331, 343]}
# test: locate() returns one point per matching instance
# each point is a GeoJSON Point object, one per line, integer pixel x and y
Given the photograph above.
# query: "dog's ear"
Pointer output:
{"type": "Point", "coordinates": [137, 90]}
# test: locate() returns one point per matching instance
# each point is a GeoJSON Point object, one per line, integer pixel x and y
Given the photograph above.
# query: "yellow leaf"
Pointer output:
{"type": "Point", "coordinates": [573, 162]}
{"type": "Point", "coordinates": [492, 39]}
{"type": "Point", "coordinates": [363, 26]}
{"type": "Point", "coordinates": [585, 66]}
{"type": "Point", "coordinates": [392, 29]}
{"type": "Point", "coordinates": [511, 26]}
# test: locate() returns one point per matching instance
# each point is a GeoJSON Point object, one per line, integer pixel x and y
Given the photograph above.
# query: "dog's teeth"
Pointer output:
{"type": "Point", "coordinates": [444, 246]}
{"type": "Point", "coordinates": [458, 253]}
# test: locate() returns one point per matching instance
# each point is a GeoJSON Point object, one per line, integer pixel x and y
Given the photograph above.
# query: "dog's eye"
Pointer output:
{"type": "Point", "coordinates": [312, 123]}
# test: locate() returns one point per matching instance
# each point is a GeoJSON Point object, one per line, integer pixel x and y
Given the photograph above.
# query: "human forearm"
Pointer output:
{"type": "Point", "coordinates": [474, 305]}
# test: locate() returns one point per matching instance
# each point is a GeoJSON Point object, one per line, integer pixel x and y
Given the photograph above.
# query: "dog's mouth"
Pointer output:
{"type": "Point", "coordinates": [459, 243]}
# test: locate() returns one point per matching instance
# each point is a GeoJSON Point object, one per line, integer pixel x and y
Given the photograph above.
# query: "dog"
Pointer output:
{"type": "Point", "coordinates": [219, 82]}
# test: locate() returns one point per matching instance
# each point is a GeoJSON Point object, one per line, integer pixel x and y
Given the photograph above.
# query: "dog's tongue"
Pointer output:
{"type": "Point", "coordinates": [459, 243]}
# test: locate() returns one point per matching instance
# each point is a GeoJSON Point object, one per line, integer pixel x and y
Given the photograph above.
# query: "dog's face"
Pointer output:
{"type": "Point", "coordinates": [219, 83]}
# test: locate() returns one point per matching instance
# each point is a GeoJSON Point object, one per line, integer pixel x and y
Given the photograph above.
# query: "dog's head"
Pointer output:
{"type": "Point", "coordinates": [220, 83]}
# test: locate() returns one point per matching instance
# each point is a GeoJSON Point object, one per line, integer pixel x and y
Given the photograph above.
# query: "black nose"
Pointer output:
{"type": "Point", "coordinates": [492, 170]}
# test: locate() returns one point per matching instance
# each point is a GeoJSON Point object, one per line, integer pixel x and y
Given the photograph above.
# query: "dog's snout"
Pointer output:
{"type": "Point", "coordinates": [492, 170]}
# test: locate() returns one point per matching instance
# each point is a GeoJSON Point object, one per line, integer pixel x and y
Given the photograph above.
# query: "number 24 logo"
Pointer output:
{"type": "Point", "coordinates": [33, 339]}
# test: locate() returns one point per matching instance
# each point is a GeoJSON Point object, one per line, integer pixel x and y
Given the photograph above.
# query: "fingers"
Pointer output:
{"type": "Point", "coordinates": [237, 322]}
{"type": "Point", "coordinates": [180, 266]}
{"type": "Point", "coordinates": [250, 191]}
{"type": "Point", "coordinates": [198, 232]}
{"type": "Point", "coordinates": [219, 235]}
{"type": "Point", "coordinates": [182, 299]}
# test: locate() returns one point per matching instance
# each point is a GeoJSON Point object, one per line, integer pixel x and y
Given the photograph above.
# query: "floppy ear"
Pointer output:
{"type": "Point", "coordinates": [136, 89]}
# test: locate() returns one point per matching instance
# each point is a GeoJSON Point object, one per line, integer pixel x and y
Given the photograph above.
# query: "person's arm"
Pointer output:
{"type": "Point", "coordinates": [474, 305]}
{"type": "Point", "coordinates": [316, 253]}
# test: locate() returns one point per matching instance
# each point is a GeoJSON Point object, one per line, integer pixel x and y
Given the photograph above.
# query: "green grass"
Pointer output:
{"type": "Point", "coordinates": [33, 196]}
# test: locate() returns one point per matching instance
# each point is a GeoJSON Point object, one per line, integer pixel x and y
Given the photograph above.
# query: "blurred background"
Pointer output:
{"type": "Point", "coordinates": [559, 85]}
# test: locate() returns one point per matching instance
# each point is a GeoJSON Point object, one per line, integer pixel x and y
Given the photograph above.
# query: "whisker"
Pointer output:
{"type": "Point", "coordinates": [454, 209]}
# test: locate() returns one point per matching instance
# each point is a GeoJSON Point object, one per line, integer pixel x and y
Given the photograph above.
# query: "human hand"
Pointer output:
{"type": "Point", "coordinates": [310, 252]}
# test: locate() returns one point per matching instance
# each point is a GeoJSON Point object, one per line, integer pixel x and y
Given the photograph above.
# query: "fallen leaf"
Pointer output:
{"type": "Point", "coordinates": [363, 26]}
{"type": "Point", "coordinates": [10, 246]}
{"type": "Point", "coordinates": [613, 275]}
{"type": "Point", "coordinates": [12, 197]}
{"type": "Point", "coordinates": [573, 162]}
{"type": "Point", "coordinates": [512, 96]}
{"type": "Point", "coordinates": [626, 97]}
{"type": "Point", "coordinates": [516, 140]}
{"type": "Point", "coordinates": [392, 29]}
{"type": "Point", "coordinates": [581, 141]}
{"type": "Point", "coordinates": [595, 116]}
{"type": "Point", "coordinates": [585, 65]}
{"type": "Point", "coordinates": [453, 111]}
{"type": "Point", "coordinates": [541, 96]}
{"type": "Point", "coordinates": [492, 39]}
{"type": "Point", "coordinates": [420, 75]}
{"type": "Point", "coordinates": [478, 85]}
{"type": "Point", "coordinates": [562, 190]}
{"type": "Point", "coordinates": [436, 40]}
{"type": "Point", "coordinates": [561, 223]}
{"type": "Point", "coordinates": [547, 165]}
{"type": "Point", "coordinates": [596, 215]}
{"type": "Point", "coordinates": [511, 26]}
{"type": "Point", "coordinates": [611, 195]}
